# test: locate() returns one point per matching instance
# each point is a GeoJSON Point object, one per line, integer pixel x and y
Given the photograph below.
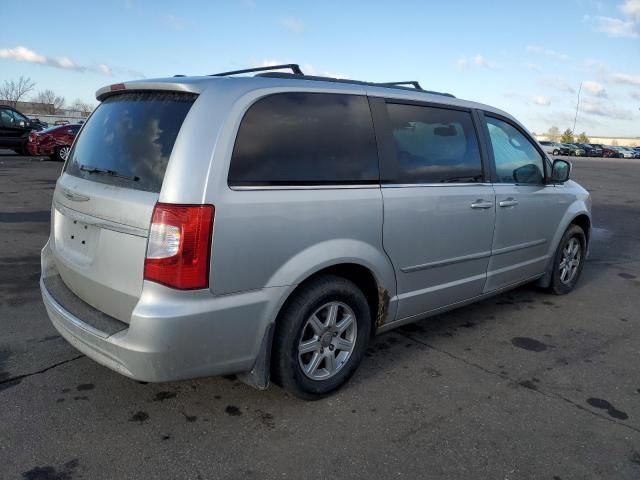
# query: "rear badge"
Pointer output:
{"type": "Point", "coordinates": [74, 196]}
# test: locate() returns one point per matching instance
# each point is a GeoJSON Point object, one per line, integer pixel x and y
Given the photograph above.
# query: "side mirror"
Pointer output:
{"type": "Point", "coordinates": [560, 171]}
{"type": "Point", "coordinates": [529, 173]}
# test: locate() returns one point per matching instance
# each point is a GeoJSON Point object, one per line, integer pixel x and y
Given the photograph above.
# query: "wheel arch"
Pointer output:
{"type": "Point", "coordinates": [577, 215]}
{"type": "Point", "coordinates": [377, 295]}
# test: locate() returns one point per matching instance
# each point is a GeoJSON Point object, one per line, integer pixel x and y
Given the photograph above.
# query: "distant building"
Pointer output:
{"type": "Point", "coordinates": [616, 141]}
{"type": "Point", "coordinates": [33, 108]}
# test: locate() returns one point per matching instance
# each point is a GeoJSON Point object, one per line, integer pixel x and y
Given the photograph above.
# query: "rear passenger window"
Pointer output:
{"type": "Point", "coordinates": [305, 139]}
{"type": "Point", "coordinates": [434, 145]}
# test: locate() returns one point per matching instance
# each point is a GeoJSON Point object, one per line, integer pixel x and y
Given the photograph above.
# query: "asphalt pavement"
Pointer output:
{"type": "Point", "coordinates": [525, 385]}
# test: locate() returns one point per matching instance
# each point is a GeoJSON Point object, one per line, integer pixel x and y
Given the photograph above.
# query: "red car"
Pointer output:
{"type": "Point", "coordinates": [54, 142]}
{"type": "Point", "coordinates": [610, 152]}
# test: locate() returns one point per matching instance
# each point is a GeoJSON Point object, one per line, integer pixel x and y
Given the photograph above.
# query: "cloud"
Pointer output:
{"type": "Point", "coordinates": [547, 52]}
{"type": "Point", "coordinates": [541, 100]}
{"type": "Point", "coordinates": [294, 25]}
{"type": "Point", "coordinates": [614, 27]}
{"type": "Point", "coordinates": [105, 69]}
{"type": "Point", "coordinates": [626, 78]}
{"type": "Point", "coordinates": [477, 60]}
{"type": "Point", "coordinates": [631, 8]}
{"type": "Point", "coordinates": [557, 83]}
{"type": "Point", "coordinates": [605, 109]}
{"type": "Point", "coordinates": [594, 88]}
{"type": "Point", "coordinates": [23, 54]}
{"type": "Point", "coordinates": [626, 27]}
{"type": "Point", "coordinates": [635, 95]}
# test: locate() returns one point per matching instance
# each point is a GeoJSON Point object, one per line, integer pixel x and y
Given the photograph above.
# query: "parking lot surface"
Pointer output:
{"type": "Point", "coordinates": [525, 385]}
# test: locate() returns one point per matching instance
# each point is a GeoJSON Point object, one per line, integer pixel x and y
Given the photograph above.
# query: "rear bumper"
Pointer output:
{"type": "Point", "coordinates": [172, 334]}
{"type": "Point", "coordinates": [37, 149]}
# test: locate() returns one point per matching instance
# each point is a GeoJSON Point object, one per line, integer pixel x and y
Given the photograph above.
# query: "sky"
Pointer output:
{"type": "Point", "coordinates": [528, 58]}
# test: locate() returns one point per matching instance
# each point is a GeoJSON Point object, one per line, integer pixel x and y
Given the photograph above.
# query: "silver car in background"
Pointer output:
{"type": "Point", "coordinates": [270, 225]}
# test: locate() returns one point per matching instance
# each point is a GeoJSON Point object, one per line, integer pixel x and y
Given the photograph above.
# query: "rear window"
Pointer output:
{"type": "Point", "coordinates": [305, 139]}
{"type": "Point", "coordinates": [127, 141]}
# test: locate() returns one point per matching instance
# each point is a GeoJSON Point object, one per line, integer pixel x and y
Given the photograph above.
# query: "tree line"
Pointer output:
{"type": "Point", "coordinates": [567, 136]}
{"type": "Point", "coordinates": [14, 91]}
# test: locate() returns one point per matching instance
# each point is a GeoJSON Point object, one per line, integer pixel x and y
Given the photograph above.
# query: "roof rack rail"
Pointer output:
{"type": "Point", "coordinates": [413, 83]}
{"type": "Point", "coordinates": [295, 68]}
{"type": "Point", "coordinates": [398, 85]}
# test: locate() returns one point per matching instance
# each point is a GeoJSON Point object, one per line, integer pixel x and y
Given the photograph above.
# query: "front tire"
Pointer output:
{"type": "Point", "coordinates": [556, 152]}
{"type": "Point", "coordinates": [321, 337]}
{"type": "Point", "coordinates": [569, 261]}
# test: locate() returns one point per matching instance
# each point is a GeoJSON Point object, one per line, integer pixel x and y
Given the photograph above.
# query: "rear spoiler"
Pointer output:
{"type": "Point", "coordinates": [172, 85]}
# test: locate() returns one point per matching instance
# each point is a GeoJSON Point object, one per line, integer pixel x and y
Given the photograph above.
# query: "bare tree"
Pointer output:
{"type": "Point", "coordinates": [82, 107]}
{"type": "Point", "coordinates": [51, 99]}
{"type": "Point", "coordinates": [15, 90]}
{"type": "Point", "coordinates": [554, 134]}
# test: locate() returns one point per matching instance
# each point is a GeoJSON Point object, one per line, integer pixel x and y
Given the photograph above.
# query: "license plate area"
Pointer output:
{"type": "Point", "coordinates": [76, 240]}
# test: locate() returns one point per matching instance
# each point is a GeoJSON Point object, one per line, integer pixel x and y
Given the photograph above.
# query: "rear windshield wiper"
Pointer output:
{"type": "Point", "coordinates": [104, 171]}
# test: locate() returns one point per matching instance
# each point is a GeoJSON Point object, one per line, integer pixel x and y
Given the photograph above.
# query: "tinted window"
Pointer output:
{"type": "Point", "coordinates": [6, 119]}
{"type": "Point", "coordinates": [434, 145]}
{"type": "Point", "coordinates": [127, 141]}
{"type": "Point", "coordinates": [305, 138]}
{"type": "Point", "coordinates": [517, 160]}
{"type": "Point", "coordinates": [18, 117]}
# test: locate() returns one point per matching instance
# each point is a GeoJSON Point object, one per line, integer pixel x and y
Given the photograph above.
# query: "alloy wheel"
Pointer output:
{"type": "Point", "coordinates": [64, 153]}
{"type": "Point", "coordinates": [571, 257]}
{"type": "Point", "coordinates": [327, 341]}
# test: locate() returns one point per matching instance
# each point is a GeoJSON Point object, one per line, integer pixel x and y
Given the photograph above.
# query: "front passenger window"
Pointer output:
{"type": "Point", "coordinates": [516, 159]}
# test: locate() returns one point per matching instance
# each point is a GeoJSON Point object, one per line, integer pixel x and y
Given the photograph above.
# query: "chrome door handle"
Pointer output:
{"type": "Point", "coordinates": [483, 204]}
{"type": "Point", "coordinates": [509, 202]}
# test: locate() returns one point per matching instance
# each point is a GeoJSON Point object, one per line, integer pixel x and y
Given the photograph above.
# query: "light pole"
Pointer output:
{"type": "Point", "coordinates": [575, 119]}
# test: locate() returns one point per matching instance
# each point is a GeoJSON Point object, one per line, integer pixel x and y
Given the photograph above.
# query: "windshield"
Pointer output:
{"type": "Point", "coordinates": [128, 140]}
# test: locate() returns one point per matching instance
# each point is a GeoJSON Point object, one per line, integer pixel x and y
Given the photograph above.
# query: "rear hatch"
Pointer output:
{"type": "Point", "coordinates": [104, 200]}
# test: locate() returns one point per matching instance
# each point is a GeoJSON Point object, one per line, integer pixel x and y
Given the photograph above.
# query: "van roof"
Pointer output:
{"type": "Point", "coordinates": [265, 77]}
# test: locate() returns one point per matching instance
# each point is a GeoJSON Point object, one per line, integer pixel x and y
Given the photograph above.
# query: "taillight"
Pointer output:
{"type": "Point", "coordinates": [179, 247]}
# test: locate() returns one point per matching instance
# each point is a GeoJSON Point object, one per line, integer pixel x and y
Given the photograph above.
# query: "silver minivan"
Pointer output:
{"type": "Point", "coordinates": [269, 225]}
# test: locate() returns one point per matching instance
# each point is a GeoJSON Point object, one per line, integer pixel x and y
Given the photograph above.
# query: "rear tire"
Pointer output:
{"type": "Point", "coordinates": [61, 153]}
{"type": "Point", "coordinates": [327, 313]}
{"type": "Point", "coordinates": [556, 152]}
{"type": "Point", "coordinates": [569, 261]}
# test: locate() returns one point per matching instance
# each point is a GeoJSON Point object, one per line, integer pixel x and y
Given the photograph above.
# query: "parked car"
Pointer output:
{"type": "Point", "coordinates": [590, 150]}
{"type": "Point", "coordinates": [626, 152]}
{"type": "Point", "coordinates": [596, 149]}
{"type": "Point", "coordinates": [554, 148]}
{"type": "Point", "coordinates": [14, 129]}
{"type": "Point", "coordinates": [54, 142]}
{"type": "Point", "coordinates": [297, 173]}
{"type": "Point", "coordinates": [574, 150]}
{"type": "Point", "coordinates": [599, 148]}
{"type": "Point", "coordinates": [610, 152]}
{"type": "Point", "coordinates": [38, 124]}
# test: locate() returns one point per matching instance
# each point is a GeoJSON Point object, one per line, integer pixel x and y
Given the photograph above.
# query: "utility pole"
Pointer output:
{"type": "Point", "coordinates": [577, 106]}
